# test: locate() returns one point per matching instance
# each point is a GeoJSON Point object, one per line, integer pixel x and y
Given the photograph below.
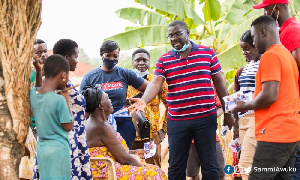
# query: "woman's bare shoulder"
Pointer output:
{"type": "Point", "coordinates": [108, 129]}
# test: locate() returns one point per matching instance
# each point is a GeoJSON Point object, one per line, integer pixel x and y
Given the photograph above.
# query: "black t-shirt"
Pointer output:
{"type": "Point", "coordinates": [114, 83]}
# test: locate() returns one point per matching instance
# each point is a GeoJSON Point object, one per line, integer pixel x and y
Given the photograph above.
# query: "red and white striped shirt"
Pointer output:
{"type": "Point", "coordinates": [190, 93]}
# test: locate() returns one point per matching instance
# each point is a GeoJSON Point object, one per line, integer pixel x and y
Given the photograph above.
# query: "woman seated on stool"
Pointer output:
{"type": "Point", "coordinates": [104, 141]}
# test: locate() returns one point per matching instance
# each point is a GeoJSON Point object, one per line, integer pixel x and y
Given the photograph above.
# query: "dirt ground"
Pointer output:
{"type": "Point", "coordinates": [164, 152]}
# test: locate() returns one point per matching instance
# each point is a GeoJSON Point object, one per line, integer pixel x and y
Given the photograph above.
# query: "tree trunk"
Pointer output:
{"type": "Point", "coordinates": [19, 22]}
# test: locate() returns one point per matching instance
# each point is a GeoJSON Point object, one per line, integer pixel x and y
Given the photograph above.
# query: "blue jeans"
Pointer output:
{"type": "Point", "coordinates": [127, 130]}
{"type": "Point", "coordinates": [296, 175]}
{"type": "Point", "coordinates": [180, 135]}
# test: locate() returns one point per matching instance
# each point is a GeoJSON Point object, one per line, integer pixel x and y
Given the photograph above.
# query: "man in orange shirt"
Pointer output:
{"type": "Point", "coordinates": [276, 105]}
{"type": "Point", "coordinates": [289, 34]}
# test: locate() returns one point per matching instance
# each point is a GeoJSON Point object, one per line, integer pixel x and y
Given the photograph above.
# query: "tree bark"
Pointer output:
{"type": "Point", "coordinates": [19, 22]}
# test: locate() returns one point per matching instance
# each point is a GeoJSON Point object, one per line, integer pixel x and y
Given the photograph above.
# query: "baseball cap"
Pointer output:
{"type": "Point", "coordinates": [269, 2]}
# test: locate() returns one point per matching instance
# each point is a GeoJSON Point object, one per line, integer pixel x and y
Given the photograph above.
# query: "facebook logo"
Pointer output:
{"type": "Point", "coordinates": [228, 169]}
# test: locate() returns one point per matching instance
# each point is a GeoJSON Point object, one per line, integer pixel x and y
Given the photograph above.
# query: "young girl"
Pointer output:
{"type": "Point", "coordinates": [80, 159]}
{"type": "Point", "coordinates": [245, 82]}
{"type": "Point", "coordinates": [53, 120]}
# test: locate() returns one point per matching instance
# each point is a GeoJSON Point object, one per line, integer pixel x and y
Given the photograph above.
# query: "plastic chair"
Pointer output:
{"type": "Point", "coordinates": [111, 170]}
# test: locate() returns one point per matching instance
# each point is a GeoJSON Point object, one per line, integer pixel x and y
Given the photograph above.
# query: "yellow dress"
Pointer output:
{"type": "Point", "coordinates": [124, 172]}
{"type": "Point", "coordinates": [152, 109]}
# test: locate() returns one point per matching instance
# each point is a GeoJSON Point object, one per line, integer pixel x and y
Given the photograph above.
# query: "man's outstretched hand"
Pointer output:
{"type": "Point", "coordinates": [139, 105]}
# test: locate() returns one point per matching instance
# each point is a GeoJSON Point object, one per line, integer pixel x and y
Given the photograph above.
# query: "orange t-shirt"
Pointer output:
{"type": "Point", "coordinates": [280, 122]}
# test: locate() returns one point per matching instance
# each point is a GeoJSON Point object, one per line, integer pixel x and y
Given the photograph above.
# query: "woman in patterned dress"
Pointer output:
{"type": "Point", "coordinates": [80, 159]}
{"type": "Point", "coordinates": [104, 141]}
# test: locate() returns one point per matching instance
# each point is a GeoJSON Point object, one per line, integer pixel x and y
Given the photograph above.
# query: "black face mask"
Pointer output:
{"type": "Point", "coordinates": [109, 64]}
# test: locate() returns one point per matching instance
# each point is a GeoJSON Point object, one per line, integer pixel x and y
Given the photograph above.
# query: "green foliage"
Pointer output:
{"type": "Point", "coordinates": [237, 9]}
{"type": "Point", "coordinates": [211, 10]}
{"type": "Point", "coordinates": [223, 26]}
{"type": "Point", "coordinates": [175, 9]}
{"type": "Point", "coordinates": [141, 16]}
{"type": "Point", "coordinates": [131, 28]}
{"type": "Point", "coordinates": [294, 6]}
{"type": "Point", "coordinates": [221, 30]}
{"type": "Point", "coordinates": [230, 75]}
{"type": "Point", "coordinates": [191, 3]}
{"type": "Point", "coordinates": [208, 41]}
{"type": "Point", "coordinates": [232, 58]}
{"type": "Point", "coordinates": [201, 1]}
{"type": "Point", "coordinates": [156, 52]}
{"type": "Point", "coordinates": [125, 62]}
{"type": "Point", "coordinates": [141, 37]}
{"type": "Point", "coordinates": [241, 27]}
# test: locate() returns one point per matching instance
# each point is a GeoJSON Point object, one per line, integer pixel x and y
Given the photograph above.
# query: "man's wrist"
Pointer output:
{"type": "Point", "coordinates": [247, 106]}
{"type": "Point", "coordinates": [143, 98]}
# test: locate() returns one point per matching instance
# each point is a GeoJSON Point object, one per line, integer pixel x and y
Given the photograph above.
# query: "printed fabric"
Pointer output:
{"type": "Point", "coordinates": [99, 169]}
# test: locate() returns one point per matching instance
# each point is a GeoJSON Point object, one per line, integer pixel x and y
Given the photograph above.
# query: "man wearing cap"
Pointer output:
{"type": "Point", "coordinates": [289, 34]}
{"type": "Point", "coordinates": [289, 31]}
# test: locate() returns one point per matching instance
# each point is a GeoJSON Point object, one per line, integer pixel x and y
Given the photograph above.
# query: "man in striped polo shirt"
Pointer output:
{"type": "Point", "coordinates": [188, 69]}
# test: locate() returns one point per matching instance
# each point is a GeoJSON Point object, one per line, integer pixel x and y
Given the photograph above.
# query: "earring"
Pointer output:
{"type": "Point", "coordinates": [64, 79]}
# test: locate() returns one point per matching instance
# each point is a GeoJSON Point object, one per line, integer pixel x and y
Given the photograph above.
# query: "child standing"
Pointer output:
{"type": "Point", "coordinates": [53, 120]}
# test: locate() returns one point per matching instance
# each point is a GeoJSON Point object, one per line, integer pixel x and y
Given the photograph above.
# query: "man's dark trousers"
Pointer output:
{"type": "Point", "coordinates": [296, 174]}
{"type": "Point", "coordinates": [180, 135]}
{"type": "Point", "coordinates": [273, 161]}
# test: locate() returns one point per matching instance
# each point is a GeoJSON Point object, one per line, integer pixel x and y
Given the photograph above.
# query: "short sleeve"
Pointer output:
{"type": "Point", "coordinates": [159, 69]}
{"type": "Point", "coordinates": [133, 79]}
{"type": "Point", "coordinates": [84, 82]}
{"type": "Point", "coordinates": [291, 40]}
{"type": "Point", "coordinates": [270, 68]}
{"type": "Point", "coordinates": [63, 111]}
{"type": "Point", "coordinates": [293, 44]}
{"type": "Point", "coordinates": [214, 64]}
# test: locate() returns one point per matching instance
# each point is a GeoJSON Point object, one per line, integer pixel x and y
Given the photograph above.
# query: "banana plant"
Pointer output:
{"type": "Point", "coordinates": [294, 7]}
{"type": "Point", "coordinates": [175, 9]}
{"type": "Point", "coordinates": [221, 28]}
{"type": "Point", "coordinates": [151, 29]}
{"type": "Point", "coordinates": [142, 16]}
{"type": "Point", "coordinates": [150, 21]}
